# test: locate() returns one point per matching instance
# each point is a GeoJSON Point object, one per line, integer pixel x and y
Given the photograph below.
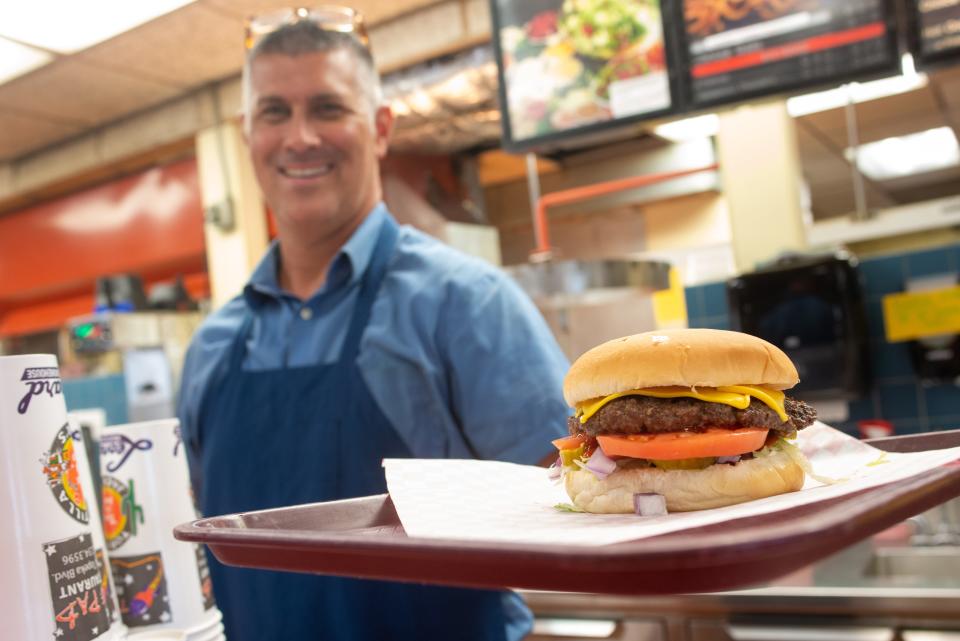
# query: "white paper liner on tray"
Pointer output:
{"type": "Point", "coordinates": [505, 502]}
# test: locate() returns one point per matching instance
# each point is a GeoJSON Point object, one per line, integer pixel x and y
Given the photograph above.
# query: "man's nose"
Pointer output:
{"type": "Point", "coordinates": [301, 135]}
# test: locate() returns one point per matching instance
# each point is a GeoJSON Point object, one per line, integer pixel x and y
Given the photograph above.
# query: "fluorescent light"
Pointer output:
{"type": "Point", "coordinates": [421, 102]}
{"type": "Point", "coordinates": [857, 92]}
{"type": "Point", "coordinates": [17, 59]}
{"type": "Point", "coordinates": [65, 26]}
{"type": "Point", "coordinates": [917, 153]}
{"type": "Point", "coordinates": [907, 66]}
{"type": "Point", "coordinates": [399, 108]}
{"type": "Point", "coordinates": [689, 128]}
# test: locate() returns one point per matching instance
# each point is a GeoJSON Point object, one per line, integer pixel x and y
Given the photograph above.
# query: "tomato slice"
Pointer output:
{"type": "Point", "coordinates": [680, 445]}
{"type": "Point", "coordinates": [569, 442]}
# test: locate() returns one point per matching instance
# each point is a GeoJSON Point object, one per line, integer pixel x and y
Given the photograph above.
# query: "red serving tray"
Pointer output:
{"type": "Point", "coordinates": [364, 538]}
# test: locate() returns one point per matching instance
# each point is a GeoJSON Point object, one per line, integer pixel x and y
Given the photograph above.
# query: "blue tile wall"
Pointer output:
{"type": "Point", "coordinates": [707, 306]}
{"type": "Point", "coordinates": [929, 263]}
{"type": "Point", "coordinates": [941, 400]}
{"type": "Point", "coordinates": [107, 392]}
{"type": "Point", "coordinates": [897, 394]}
{"type": "Point", "coordinates": [715, 299]}
{"type": "Point", "coordinates": [883, 276]}
{"type": "Point", "coordinates": [694, 296]}
{"type": "Point", "coordinates": [863, 408]}
{"type": "Point", "coordinates": [898, 401]}
{"type": "Point", "coordinates": [891, 361]}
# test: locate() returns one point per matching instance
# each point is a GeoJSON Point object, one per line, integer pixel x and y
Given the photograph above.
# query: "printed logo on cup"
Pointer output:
{"type": "Point", "coordinates": [122, 515]}
{"type": "Point", "coordinates": [178, 435]}
{"type": "Point", "coordinates": [79, 593]}
{"type": "Point", "coordinates": [63, 476]}
{"type": "Point", "coordinates": [103, 567]}
{"type": "Point", "coordinates": [141, 589]}
{"type": "Point", "coordinates": [122, 446]}
{"type": "Point", "coordinates": [39, 380]}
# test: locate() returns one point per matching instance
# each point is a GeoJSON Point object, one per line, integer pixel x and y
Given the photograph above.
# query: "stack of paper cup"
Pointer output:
{"type": "Point", "coordinates": [161, 583]}
{"type": "Point", "coordinates": [86, 474]}
{"type": "Point", "coordinates": [52, 585]}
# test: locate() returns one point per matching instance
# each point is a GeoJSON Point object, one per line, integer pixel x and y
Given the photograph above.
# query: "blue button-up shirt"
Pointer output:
{"type": "Point", "coordinates": [455, 354]}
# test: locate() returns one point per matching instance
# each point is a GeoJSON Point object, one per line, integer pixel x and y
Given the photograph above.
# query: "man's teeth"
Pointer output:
{"type": "Point", "coordinates": [307, 172]}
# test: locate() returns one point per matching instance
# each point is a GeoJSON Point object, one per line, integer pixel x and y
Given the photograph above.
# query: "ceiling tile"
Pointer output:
{"type": "Point", "coordinates": [829, 125]}
{"type": "Point", "coordinates": [81, 94]}
{"type": "Point", "coordinates": [829, 176]}
{"type": "Point", "coordinates": [186, 48]}
{"type": "Point", "coordinates": [22, 133]}
{"type": "Point", "coordinates": [879, 119]}
{"type": "Point", "coordinates": [953, 115]}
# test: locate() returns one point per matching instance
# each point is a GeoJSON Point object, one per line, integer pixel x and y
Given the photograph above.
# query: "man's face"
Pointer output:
{"type": "Point", "coordinates": [314, 143]}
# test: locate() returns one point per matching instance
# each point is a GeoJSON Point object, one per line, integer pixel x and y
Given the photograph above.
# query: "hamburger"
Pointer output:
{"type": "Point", "coordinates": [686, 419]}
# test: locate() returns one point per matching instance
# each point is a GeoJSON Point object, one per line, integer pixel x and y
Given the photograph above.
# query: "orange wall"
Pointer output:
{"type": "Point", "coordinates": [150, 224]}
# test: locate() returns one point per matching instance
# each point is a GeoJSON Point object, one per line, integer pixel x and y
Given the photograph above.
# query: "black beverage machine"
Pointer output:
{"type": "Point", "coordinates": [811, 307]}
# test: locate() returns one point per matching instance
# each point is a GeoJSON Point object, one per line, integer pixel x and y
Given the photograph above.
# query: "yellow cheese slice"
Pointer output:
{"type": "Point", "coordinates": [737, 396]}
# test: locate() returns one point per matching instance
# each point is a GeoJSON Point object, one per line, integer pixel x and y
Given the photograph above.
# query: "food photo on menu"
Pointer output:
{"type": "Point", "coordinates": [739, 47]}
{"type": "Point", "coordinates": [568, 64]}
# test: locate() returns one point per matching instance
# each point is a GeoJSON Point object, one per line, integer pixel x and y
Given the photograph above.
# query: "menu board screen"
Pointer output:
{"type": "Point", "coordinates": [575, 66]}
{"type": "Point", "coordinates": [938, 23]}
{"type": "Point", "coordinates": [742, 48]}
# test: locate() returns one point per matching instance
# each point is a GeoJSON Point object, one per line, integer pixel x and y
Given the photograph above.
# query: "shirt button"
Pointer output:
{"type": "Point", "coordinates": [306, 313]}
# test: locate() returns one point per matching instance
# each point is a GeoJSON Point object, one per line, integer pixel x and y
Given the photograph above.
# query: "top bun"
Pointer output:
{"type": "Point", "coordinates": [685, 357]}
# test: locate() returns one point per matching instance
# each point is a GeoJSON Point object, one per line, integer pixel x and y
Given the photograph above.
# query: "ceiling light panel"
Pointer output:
{"type": "Point", "coordinates": [66, 26]}
{"type": "Point", "coordinates": [918, 153]}
{"type": "Point", "coordinates": [693, 128]}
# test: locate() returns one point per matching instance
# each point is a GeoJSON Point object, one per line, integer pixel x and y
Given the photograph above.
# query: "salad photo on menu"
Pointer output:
{"type": "Point", "coordinates": [568, 64]}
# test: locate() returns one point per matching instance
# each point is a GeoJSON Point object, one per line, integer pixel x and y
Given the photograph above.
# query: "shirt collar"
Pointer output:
{"type": "Point", "coordinates": [347, 266]}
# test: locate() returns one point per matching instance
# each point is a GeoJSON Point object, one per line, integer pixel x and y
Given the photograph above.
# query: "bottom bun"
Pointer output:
{"type": "Point", "coordinates": [686, 490]}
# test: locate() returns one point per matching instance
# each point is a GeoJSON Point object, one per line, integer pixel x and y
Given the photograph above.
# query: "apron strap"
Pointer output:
{"type": "Point", "coordinates": [238, 349]}
{"type": "Point", "coordinates": [370, 285]}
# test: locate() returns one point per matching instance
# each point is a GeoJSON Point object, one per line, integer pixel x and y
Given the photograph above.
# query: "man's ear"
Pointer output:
{"type": "Point", "coordinates": [383, 124]}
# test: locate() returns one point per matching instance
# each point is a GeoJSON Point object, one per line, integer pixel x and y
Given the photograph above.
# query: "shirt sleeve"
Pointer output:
{"type": "Point", "coordinates": [505, 370]}
{"type": "Point", "coordinates": [188, 409]}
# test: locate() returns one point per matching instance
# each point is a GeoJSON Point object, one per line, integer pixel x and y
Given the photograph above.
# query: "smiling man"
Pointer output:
{"type": "Point", "coordinates": [354, 340]}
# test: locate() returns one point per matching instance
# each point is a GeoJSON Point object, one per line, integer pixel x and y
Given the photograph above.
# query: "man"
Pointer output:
{"type": "Point", "coordinates": [354, 340]}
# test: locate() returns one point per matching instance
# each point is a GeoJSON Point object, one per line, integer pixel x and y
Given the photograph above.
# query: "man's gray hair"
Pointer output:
{"type": "Point", "coordinates": [304, 37]}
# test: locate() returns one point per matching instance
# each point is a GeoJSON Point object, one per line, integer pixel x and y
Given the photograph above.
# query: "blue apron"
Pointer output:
{"type": "Point", "coordinates": [305, 434]}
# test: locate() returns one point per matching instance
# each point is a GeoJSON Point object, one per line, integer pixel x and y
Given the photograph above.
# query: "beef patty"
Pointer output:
{"type": "Point", "coordinates": [648, 415]}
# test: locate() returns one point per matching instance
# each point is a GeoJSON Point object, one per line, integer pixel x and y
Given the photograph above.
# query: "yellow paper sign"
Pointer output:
{"type": "Point", "coordinates": [913, 315]}
{"type": "Point", "coordinates": [670, 305]}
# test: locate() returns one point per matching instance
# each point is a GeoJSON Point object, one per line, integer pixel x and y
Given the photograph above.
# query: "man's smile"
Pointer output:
{"type": "Point", "coordinates": [306, 171]}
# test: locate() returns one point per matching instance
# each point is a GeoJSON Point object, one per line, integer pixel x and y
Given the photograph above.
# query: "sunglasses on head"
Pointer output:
{"type": "Point", "coordinates": [328, 18]}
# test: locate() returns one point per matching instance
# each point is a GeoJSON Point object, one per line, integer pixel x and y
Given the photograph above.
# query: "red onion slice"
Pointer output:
{"type": "Point", "coordinates": [600, 464]}
{"type": "Point", "coordinates": [649, 504]}
{"type": "Point", "coordinates": [555, 470]}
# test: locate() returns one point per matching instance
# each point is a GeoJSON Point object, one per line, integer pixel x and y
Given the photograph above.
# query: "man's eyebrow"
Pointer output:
{"type": "Point", "coordinates": [326, 96]}
{"type": "Point", "coordinates": [269, 99]}
{"type": "Point", "coordinates": [323, 97]}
